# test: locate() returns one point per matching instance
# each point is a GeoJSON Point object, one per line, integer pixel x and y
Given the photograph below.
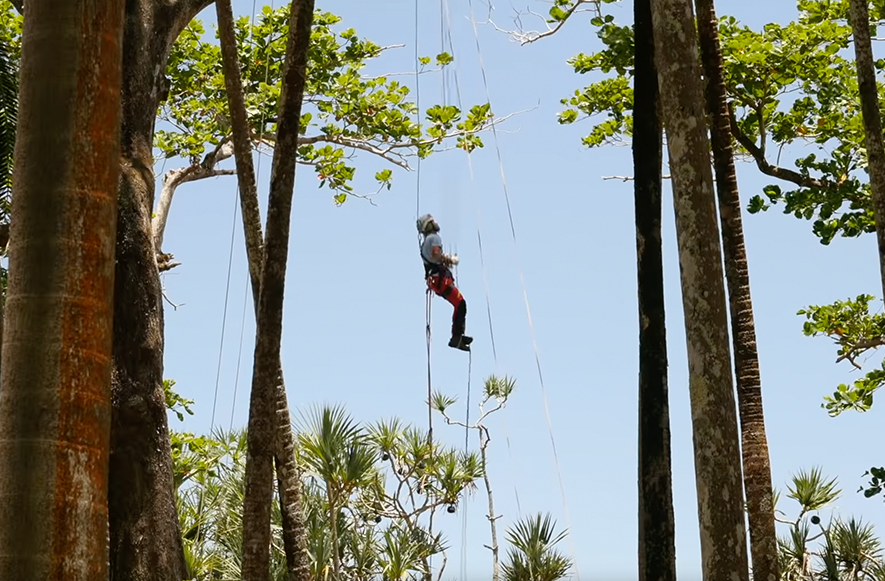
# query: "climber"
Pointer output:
{"type": "Point", "coordinates": [440, 280]}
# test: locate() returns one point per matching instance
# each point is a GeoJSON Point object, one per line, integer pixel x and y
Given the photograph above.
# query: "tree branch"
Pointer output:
{"type": "Point", "coordinates": [171, 180]}
{"type": "Point", "coordinates": [768, 169]}
{"type": "Point", "coordinates": [523, 37]}
{"type": "Point", "coordinates": [19, 5]}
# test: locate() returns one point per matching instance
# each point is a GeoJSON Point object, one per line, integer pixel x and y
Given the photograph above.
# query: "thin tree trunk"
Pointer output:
{"type": "Point", "coordinates": [714, 421]}
{"type": "Point", "coordinates": [657, 529]}
{"type": "Point", "coordinates": [267, 376]}
{"type": "Point", "coordinates": [872, 122]}
{"type": "Point", "coordinates": [55, 403]}
{"type": "Point", "coordinates": [288, 473]}
{"type": "Point", "coordinates": [333, 526]}
{"type": "Point", "coordinates": [754, 444]}
{"type": "Point", "coordinates": [493, 520]}
{"type": "Point", "coordinates": [145, 540]}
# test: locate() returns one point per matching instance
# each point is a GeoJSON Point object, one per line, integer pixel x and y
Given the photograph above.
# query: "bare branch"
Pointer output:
{"type": "Point", "coordinates": [524, 37]}
{"type": "Point", "coordinates": [174, 306]}
{"type": "Point", "coordinates": [171, 180]}
{"type": "Point", "coordinates": [767, 168]}
{"type": "Point", "coordinates": [629, 178]}
{"type": "Point", "coordinates": [852, 351]}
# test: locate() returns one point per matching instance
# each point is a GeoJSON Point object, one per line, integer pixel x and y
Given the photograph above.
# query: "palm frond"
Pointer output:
{"type": "Point", "coordinates": [812, 491]}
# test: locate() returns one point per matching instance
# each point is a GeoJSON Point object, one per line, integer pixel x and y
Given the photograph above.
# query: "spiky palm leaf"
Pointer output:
{"type": "Point", "coordinates": [532, 555]}
{"type": "Point", "coordinates": [855, 546]}
{"type": "Point", "coordinates": [812, 491]}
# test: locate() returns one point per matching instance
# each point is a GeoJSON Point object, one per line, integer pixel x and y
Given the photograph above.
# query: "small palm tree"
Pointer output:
{"type": "Point", "coordinates": [337, 451]}
{"type": "Point", "coordinates": [532, 555]}
{"type": "Point", "coordinates": [846, 550]}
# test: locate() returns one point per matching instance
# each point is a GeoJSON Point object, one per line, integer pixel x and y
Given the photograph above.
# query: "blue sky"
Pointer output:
{"type": "Point", "coordinates": [354, 311]}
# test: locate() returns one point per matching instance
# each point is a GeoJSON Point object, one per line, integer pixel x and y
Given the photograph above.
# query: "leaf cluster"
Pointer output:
{"type": "Point", "coordinates": [855, 331]}
{"type": "Point", "coordinates": [345, 111]}
{"type": "Point", "coordinates": [792, 84]}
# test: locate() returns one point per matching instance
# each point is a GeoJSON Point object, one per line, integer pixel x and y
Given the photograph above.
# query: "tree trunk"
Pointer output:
{"type": "Point", "coordinates": [657, 529]}
{"type": "Point", "coordinates": [145, 540]}
{"type": "Point", "coordinates": [267, 376]}
{"type": "Point", "coordinates": [484, 440]}
{"type": "Point", "coordinates": [754, 445]}
{"type": "Point", "coordinates": [55, 403]}
{"type": "Point", "coordinates": [288, 473]}
{"type": "Point", "coordinates": [714, 421]}
{"type": "Point", "coordinates": [872, 122]}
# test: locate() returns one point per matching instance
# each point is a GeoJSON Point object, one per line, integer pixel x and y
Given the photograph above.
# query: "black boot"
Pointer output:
{"type": "Point", "coordinates": [461, 342]}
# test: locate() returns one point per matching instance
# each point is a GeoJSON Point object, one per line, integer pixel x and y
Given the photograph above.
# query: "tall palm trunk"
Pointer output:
{"type": "Point", "coordinates": [55, 403]}
{"type": "Point", "coordinates": [288, 474]}
{"type": "Point", "coordinates": [267, 376]}
{"type": "Point", "coordinates": [714, 420]}
{"type": "Point", "coordinates": [657, 530]}
{"type": "Point", "coordinates": [144, 530]}
{"type": "Point", "coordinates": [754, 445]}
{"type": "Point", "coordinates": [872, 122]}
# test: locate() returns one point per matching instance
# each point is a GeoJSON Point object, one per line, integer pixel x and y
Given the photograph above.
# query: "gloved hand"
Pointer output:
{"type": "Point", "coordinates": [452, 259]}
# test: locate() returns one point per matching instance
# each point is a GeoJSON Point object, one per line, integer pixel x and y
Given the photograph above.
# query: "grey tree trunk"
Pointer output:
{"type": "Point", "coordinates": [145, 540]}
{"type": "Point", "coordinates": [872, 122]}
{"type": "Point", "coordinates": [754, 444]}
{"type": "Point", "coordinates": [267, 376]}
{"type": "Point", "coordinates": [714, 420]}
{"type": "Point", "coordinates": [657, 529]}
{"type": "Point", "coordinates": [288, 474]}
{"type": "Point", "coordinates": [55, 405]}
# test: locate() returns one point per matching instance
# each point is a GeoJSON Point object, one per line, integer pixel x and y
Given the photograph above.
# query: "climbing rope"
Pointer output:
{"type": "Point", "coordinates": [428, 333]}
{"type": "Point", "coordinates": [522, 282]}
{"type": "Point", "coordinates": [246, 295]}
{"type": "Point", "coordinates": [230, 260]}
{"type": "Point", "coordinates": [257, 176]}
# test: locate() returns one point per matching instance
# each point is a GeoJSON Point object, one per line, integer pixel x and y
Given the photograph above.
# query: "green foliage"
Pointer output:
{"type": "Point", "coordinates": [787, 84]}
{"type": "Point", "coordinates": [345, 112]}
{"type": "Point", "coordinates": [876, 483]}
{"type": "Point", "coordinates": [380, 482]}
{"type": "Point", "coordinates": [10, 52]}
{"type": "Point", "coordinates": [855, 331]}
{"type": "Point", "coordinates": [839, 551]}
{"type": "Point", "coordinates": [532, 555]}
{"type": "Point", "coordinates": [174, 402]}
{"type": "Point", "coordinates": [8, 119]}
{"type": "Point", "coordinates": [812, 490]}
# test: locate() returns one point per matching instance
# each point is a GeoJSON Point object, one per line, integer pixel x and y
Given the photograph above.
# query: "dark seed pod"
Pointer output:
{"type": "Point", "coordinates": [378, 518]}
{"type": "Point", "coordinates": [385, 457]}
{"type": "Point", "coordinates": [451, 509]}
{"type": "Point", "coordinates": [815, 520]}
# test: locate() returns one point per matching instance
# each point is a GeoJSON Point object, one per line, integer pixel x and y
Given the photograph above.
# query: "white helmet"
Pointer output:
{"type": "Point", "coordinates": [426, 223]}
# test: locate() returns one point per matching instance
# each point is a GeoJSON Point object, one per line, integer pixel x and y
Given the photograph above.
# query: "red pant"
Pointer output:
{"type": "Point", "coordinates": [443, 284]}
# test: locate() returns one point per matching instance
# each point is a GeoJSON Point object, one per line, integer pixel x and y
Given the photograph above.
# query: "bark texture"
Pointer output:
{"type": "Point", "coordinates": [872, 121]}
{"type": "Point", "coordinates": [55, 405]}
{"type": "Point", "coordinates": [714, 419]}
{"type": "Point", "coordinates": [267, 375]}
{"type": "Point", "coordinates": [754, 444]}
{"type": "Point", "coordinates": [657, 529]}
{"type": "Point", "coordinates": [144, 530]}
{"type": "Point", "coordinates": [288, 473]}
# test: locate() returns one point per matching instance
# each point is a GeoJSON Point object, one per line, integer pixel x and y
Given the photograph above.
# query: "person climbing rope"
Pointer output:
{"type": "Point", "coordinates": [440, 280]}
